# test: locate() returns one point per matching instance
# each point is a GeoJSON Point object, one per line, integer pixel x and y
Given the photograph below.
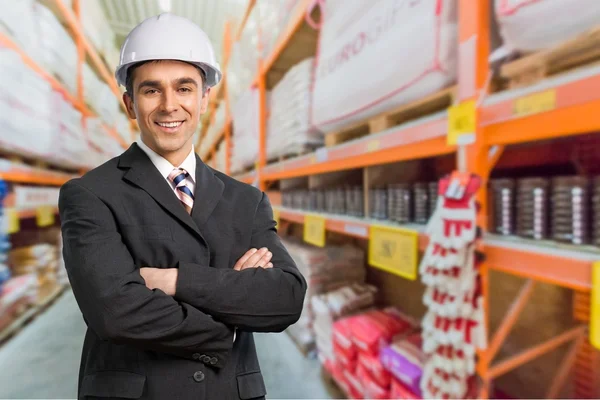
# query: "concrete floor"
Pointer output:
{"type": "Point", "coordinates": [42, 360]}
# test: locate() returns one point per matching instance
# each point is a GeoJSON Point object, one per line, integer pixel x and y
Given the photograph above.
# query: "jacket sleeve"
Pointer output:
{"type": "Point", "coordinates": [255, 299]}
{"type": "Point", "coordinates": [113, 296]}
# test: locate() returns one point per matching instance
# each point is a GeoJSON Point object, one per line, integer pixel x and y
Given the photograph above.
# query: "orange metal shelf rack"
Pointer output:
{"type": "Point", "coordinates": [572, 111]}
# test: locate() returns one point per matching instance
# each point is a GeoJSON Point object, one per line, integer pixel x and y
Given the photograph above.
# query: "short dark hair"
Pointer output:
{"type": "Point", "coordinates": [131, 70]}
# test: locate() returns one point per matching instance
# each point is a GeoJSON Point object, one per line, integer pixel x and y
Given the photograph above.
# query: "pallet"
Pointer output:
{"type": "Point", "coordinates": [435, 102]}
{"type": "Point", "coordinates": [577, 52]}
{"type": "Point", "coordinates": [308, 350]}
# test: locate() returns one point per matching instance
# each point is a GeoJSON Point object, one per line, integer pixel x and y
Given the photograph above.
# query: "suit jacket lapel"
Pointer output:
{"type": "Point", "coordinates": [142, 173]}
{"type": "Point", "coordinates": [208, 192]}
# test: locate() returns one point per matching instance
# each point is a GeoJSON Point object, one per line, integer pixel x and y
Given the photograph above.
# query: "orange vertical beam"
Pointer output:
{"type": "Point", "coordinates": [474, 36]}
{"type": "Point", "coordinates": [262, 133]}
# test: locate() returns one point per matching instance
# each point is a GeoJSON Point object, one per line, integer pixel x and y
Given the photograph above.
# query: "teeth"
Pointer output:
{"type": "Point", "coordinates": [169, 124]}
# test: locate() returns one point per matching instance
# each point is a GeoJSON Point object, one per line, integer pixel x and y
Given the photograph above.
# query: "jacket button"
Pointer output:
{"type": "Point", "coordinates": [197, 356]}
{"type": "Point", "coordinates": [205, 359]}
{"type": "Point", "coordinates": [198, 376]}
{"type": "Point", "coordinates": [213, 361]}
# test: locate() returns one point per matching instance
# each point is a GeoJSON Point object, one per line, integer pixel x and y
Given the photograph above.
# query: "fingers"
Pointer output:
{"type": "Point", "coordinates": [257, 258]}
{"type": "Point", "coordinates": [245, 257]}
{"type": "Point", "coordinates": [262, 262]}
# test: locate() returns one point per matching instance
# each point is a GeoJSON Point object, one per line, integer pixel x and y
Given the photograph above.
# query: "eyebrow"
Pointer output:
{"type": "Point", "coordinates": [157, 84]}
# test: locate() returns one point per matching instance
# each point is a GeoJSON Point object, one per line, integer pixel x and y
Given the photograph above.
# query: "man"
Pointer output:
{"type": "Point", "coordinates": [173, 264]}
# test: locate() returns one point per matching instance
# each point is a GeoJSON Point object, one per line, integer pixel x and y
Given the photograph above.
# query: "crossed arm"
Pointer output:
{"type": "Point", "coordinates": [118, 305]}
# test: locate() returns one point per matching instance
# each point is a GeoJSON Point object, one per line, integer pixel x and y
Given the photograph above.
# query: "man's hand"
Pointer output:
{"type": "Point", "coordinates": [255, 259]}
{"type": "Point", "coordinates": [159, 278]}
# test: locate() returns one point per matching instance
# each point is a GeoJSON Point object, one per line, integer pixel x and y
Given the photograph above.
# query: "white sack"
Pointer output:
{"type": "Point", "coordinates": [529, 25]}
{"type": "Point", "coordinates": [375, 55]}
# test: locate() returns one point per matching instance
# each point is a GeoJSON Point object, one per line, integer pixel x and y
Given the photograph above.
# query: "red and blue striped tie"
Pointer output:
{"type": "Point", "coordinates": [186, 195]}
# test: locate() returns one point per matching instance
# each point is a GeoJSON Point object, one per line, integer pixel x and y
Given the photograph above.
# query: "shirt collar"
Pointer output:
{"type": "Point", "coordinates": [165, 167]}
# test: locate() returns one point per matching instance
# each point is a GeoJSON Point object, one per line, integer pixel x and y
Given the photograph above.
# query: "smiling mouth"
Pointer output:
{"type": "Point", "coordinates": [170, 125]}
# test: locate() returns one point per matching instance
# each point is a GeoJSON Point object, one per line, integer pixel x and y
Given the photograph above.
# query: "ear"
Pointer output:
{"type": "Point", "coordinates": [129, 105]}
{"type": "Point", "coordinates": [204, 103]}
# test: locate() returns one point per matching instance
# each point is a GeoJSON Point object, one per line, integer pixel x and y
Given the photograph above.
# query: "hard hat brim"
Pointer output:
{"type": "Point", "coordinates": [213, 74]}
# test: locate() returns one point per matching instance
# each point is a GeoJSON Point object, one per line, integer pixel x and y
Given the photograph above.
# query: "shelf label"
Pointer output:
{"type": "Point", "coordinates": [314, 230]}
{"type": "Point", "coordinates": [357, 230]}
{"type": "Point", "coordinates": [45, 216]}
{"type": "Point", "coordinates": [373, 145]}
{"type": "Point", "coordinates": [276, 216]}
{"type": "Point", "coordinates": [535, 103]}
{"type": "Point", "coordinates": [461, 121]}
{"type": "Point", "coordinates": [395, 250]}
{"type": "Point", "coordinates": [595, 306]}
{"type": "Point", "coordinates": [13, 221]}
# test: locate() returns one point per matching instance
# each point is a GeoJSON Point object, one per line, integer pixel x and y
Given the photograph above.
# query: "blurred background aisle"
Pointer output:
{"type": "Point", "coordinates": [373, 127]}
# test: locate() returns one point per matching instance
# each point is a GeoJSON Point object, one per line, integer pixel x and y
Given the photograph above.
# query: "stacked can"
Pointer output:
{"type": "Point", "coordinates": [354, 201]}
{"type": "Point", "coordinates": [399, 203]}
{"type": "Point", "coordinates": [596, 212]}
{"type": "Point", "coordinates": [570, 209]}
{"type": "Point", "coordinates": [503, 193]}
{"type": "Point", "coordinates": [421, 202]}
{"type": "Point", "coordinates": [433, 197]}
{"type": "Point", "coordinates": [532, 208]}
{"type": "Point", "coordinates": [378, 203]}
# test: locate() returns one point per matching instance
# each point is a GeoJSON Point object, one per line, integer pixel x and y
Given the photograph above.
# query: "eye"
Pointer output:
{"type": "Point", "coordinates": [185, 89]}
{"type": "Point", "coordinates": [151, 91]}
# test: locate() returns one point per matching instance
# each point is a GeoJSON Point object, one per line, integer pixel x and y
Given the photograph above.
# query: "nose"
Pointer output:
{"type": "Point", "coordinates": [169, 102]}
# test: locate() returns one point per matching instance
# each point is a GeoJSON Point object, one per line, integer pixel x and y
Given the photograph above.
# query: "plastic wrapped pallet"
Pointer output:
{"type": "Point", "coordinates": [374, 56]}
{"type": "Point", "coordinates": [57, 46]}
{"type": "Point", "coordinates": [18, 19]}
{"type": "Point", "coordinates": [242, 66]}
{"type": "Point", "coordinates": [216, 126]}
{"type": "Point", "coordinates": [220, 159]}
{"type": "Point", "coordinates": [521, 29]}
{"type": "Point", "coordinates": [245, 114]}
{"type": "Point", "coordinates": [274, 18]}
{"type": "Point", "coordinates": [288, 129]}
{"type": "Point", "coordinates": [324, 269]}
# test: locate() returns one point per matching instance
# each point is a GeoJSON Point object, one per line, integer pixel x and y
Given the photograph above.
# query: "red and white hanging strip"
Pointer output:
{"type": "Point", "coordinates": [453, 327]}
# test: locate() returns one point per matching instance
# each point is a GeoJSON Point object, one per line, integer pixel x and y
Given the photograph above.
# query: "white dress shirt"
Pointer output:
{"type": "Point", "coordinates": [165, 167]}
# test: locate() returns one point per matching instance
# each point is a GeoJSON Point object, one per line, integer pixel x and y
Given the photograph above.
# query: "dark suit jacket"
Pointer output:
{"type": "Point", "coordinates": [144, 344]}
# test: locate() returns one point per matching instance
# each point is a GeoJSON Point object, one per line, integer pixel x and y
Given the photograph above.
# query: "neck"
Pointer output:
{"type": "Point", "coordinates": [176, 157]}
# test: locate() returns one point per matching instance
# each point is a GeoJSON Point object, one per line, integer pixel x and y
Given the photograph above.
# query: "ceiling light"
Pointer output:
{"type": "Point", "coordinates": [165, 5]}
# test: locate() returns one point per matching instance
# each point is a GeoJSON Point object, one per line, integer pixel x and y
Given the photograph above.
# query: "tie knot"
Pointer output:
{"type": "Point", "coordinates": [177, 175]}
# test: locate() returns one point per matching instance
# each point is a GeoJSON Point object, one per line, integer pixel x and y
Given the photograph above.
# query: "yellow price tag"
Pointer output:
{"type": "Point", "coordinates": [394, 250]}
{"type": "Point", "coordinates": [314, 230]}
{"type": "Point", "coordinates": [373, 145]}
{"type": "Point", "coordinates": [535, 103]}
{"type": "Point", "coordinates": [462, 120]}
{"type": "Point", "coordinates": [595, 306]}
{"type": "Point", "coordinates": [13, 221]}
{"type": "Point", "coordinates": [276, 216]}
{"type": "Point", "coordinates": [45, 216]}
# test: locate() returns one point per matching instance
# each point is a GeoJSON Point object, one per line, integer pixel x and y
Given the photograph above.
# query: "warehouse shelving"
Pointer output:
{"type": "Point", "coordinates": [557, 107]}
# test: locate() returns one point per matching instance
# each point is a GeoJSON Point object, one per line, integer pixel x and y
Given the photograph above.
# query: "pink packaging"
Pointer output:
{"type": "Point", "coordinates": [404, 359]}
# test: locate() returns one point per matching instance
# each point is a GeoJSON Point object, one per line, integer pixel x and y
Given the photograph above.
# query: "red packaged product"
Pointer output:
{"type": "Point", "coordinates": [356, 390]}
{"type": "Point", "coordinates": [375, 368]}
{"type": "Point", "coordinates": [341, 357]}
{"type": "Point", "coordinates": [375, 329]}
{"type": "Point", "coordinates": [401, 392]}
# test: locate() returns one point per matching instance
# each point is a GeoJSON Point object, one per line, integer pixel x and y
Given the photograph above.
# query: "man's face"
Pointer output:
{"type": "Point", "coordinates": [167, 103]}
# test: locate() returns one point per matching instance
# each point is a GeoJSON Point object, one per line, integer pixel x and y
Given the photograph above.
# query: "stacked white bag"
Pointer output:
{"type": "Point", "coordinates": [274, 17]}
{"type": "Point", "coordinates": [18, 19]}
{"type": "Point", "coordinates": [245, 115]}
{"type": "Point", "coordinates": [57, 47]}
{"type": "Point", "coordinates": [374, 56]}
{"type": "Point", "coordinates": [100, 97]}
{"type": "Point", "coordinates": [106, 145]}
{"type": "Point", "coordinates": [325, 270]}
{"type": "Point", "coordinates": [214, 129]}
{"type": "Point", "coordinates": [242, 66]}
{"type": "Point", "coordinates": [220, 159]}
{"type": "Point", "coordinates": [520, 27]}
{"type": "Point", "coordinates": [288, 129]}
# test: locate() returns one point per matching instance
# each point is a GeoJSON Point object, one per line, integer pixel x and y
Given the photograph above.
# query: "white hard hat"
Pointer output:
{"type": "Point", "coordinates": [168, 37]}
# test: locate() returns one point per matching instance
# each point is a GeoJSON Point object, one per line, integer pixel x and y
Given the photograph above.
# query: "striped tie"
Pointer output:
{"type": "Point", "coordinates": [179, 177]}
